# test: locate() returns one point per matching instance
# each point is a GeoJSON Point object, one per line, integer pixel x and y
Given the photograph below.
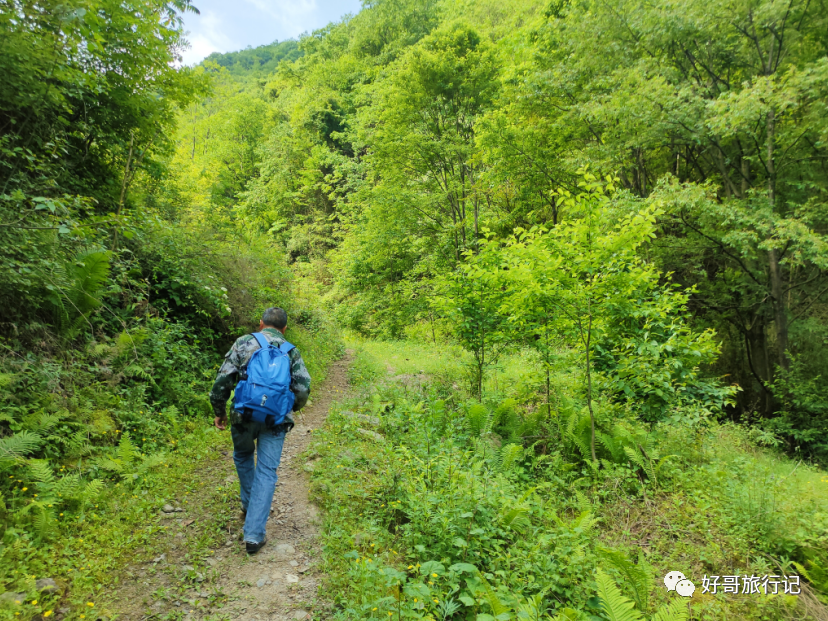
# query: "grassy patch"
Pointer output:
{"type": "Point", "coordinates": [458, 513]}
{"type": "Point", "coordinates": [123, 525]}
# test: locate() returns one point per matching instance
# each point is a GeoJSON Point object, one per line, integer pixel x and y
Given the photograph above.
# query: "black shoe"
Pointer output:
{"type": "Point", "coordinates": [253, 547]}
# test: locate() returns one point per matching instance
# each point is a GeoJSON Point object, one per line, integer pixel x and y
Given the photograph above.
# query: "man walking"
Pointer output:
{"type": "Point", "coordinates": [256, 424]}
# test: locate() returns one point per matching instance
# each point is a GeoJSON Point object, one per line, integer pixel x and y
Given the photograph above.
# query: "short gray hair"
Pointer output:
{"type": "Point", "coordinates": [275, 318]}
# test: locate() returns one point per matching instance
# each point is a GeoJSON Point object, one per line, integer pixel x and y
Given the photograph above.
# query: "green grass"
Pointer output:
{"type": "Point", "coordinates": [121, 526]}
{"type": "Point", "coordinates": [409, 358]}
{"type": "Point", "coordinates": [434, 494]}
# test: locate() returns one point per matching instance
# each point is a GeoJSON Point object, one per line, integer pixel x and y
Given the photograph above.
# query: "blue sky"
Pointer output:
{"type": "Point", "coordinates": [227, 26]}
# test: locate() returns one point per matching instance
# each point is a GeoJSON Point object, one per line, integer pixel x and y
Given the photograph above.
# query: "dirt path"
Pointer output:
{"type": "Point", "coordinates": [279, 583]}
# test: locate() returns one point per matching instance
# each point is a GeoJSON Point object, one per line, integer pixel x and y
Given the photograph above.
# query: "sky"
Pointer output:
{"type": "Point", "coordinates": [231, 25]}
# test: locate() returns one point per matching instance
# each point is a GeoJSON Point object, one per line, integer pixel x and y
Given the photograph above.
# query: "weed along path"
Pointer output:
{"type": "Point", "coordinates": [199, 569]}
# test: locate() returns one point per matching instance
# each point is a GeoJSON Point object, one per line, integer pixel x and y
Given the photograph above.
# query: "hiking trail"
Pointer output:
{"type": "Point", "coordinates": [279, 583]}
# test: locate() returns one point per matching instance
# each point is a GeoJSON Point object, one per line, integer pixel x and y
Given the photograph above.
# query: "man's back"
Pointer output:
{"type": "Point", "coordinates": [234, 369]}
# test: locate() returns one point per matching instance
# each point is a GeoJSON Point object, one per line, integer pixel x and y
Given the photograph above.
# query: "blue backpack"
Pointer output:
{"type": "Point", "coordinates": [266, 391]}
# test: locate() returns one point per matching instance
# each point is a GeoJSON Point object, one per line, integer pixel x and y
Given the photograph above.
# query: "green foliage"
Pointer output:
{"type": "Point", "coordinates": [440, 499]}
{"type": "Point", "coordinates": [471, 302]}
{"type": "Point", "coordinates": [619, 608]}
{"type": "Point", "coordinates": [803, 413]}
{"type": "Point", "coordinates": [638, 576]}
{"type": "Point", "coordinates": [14, 448]}
{"type": "Point", "coordinates": [423, 168]}
{"type": "Point", "coordinates": [261, 60]}
{"type": "Point", "coordinates": [585, 282]}
{"type": "Point", "coordinates": [74, 136]}
{"type": "Point", "coordinates": [127, 461]}
{"type": "Point", "coordinates": [615, 605]}
{"type": "Point", "coordinates": [404, 136]}
{"type": "Point", "coordinates": [76, 292]}
{"type": "Point", "coordinates": [450, 484]}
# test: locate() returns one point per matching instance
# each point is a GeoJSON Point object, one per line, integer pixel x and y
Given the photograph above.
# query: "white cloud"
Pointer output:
{"type": "Point", "coordinates": [292, 16]}
{"type": "Point", "coordinates": [209, 39]}
{"type": "Point", "coordinates": [200, 48]}
{"type": "Point", "coordinates": [228, 25]}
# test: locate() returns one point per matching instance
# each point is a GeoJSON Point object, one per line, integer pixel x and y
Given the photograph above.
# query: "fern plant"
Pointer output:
{"type": "Point", "coordinates": [816, 572]}
{"type": "Point", "coordinates": [578, 433]}
{"type": "Point", "coordinates": [15, 447]}
{"type": "Point", "coordinates": [512, 605]}
{"type": "Point", "coordinates": [515, 515]}
{"type": "Point", "coordinates": [479, 420]}
{"type": "Point", "coordinates": [510, 455]}
{"type": "Point", "coordinates": [500, 609]}
{"type": "Point", "coordinates": [639, 576]}
{"type": "Point", "coordinates": [41, 515]}
{"type": "Point", "coordinates": [74, 293]}
{"type": "Point", "coordinates": [128, 463]}
{"type": "Point", "coordinates": [618, 608]}
{"type": "Point", "coordinates": [506, 422]}
{"type": "Point", "coordinates": [621, 445]}
{"type": "Point", "coordinates": [53, 492]}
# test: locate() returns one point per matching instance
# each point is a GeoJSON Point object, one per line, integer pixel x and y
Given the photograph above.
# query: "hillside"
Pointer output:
{"type": "Point", "coordinates": [578, 250]}
{"type": "Point", "coordinates": [258, 61]}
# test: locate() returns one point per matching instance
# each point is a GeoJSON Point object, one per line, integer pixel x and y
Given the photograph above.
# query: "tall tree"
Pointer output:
{"type": "Point", "coordinates": [423, 138]}
{"type": "Point", "coordinates": [730, 94]}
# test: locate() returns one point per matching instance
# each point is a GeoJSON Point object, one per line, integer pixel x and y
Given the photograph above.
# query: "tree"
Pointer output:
{"type": "Point", "coordinates": [423, 141]}
{"type": "Point", "coordinates": [80, 112]}
{"type": "Point", "coordinates": [587, 279]}
{"type": "Point", "coordinates": [728, 98]}
{"type": "Point", "coordinates": [472, 300]}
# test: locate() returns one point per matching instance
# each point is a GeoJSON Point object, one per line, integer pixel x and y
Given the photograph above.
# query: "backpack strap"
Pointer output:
{"type": "Point", "coordinates": [262, 340]}
{"type": "Point", "coordinates": [286, 347]}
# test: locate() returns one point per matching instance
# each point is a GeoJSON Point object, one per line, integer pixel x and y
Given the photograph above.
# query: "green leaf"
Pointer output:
{"type": "Point", "coordinates": [674, 611]}
{"type": "Point", "coordinates": [615, 606]}
{"type": "Point", "coordinates": [463, 568]}
{"type": "Point", "coordinates": [432, 567]}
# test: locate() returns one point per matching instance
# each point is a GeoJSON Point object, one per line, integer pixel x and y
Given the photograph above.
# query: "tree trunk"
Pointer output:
{"type": "Point", "coordinates": [546, 331]}
{"type": "Point", "coordinates": [589, 384]}
{"type": "Point", "coordinates": [482, 359]}
{"type": "Point", "coordinates": [124, 184]}
{"type": "Point", "coordinates": [745, 177]}
{"type": "Point", "coordinates": [779, 311]}
{"type": "Point", "coordinates": [756, 348]}
{"type": "Point", "coordinates": [476, 199]}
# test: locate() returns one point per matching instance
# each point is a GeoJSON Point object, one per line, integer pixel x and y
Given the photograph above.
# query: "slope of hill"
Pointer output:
{"type": "Point", "coordinates": [258, 61]}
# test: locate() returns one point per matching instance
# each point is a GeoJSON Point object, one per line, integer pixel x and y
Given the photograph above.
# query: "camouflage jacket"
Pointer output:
{"type": "Point", "coordinates": [234, 369]}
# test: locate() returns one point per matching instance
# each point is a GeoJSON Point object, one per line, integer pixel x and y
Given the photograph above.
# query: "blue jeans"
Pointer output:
{"type": "Point", "coordinates": [257, 479]}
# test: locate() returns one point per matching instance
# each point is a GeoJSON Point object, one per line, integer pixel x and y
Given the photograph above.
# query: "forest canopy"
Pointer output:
{"type": "Point", "coordinates": [406, 134]}
{"type": "Point", "coordinates": [383, 153]}
{"type": "Point", "coordinates": [261, 60]}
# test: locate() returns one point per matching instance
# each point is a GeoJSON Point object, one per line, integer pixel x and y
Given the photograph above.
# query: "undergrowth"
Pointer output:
{"type": "Point", "coordinates": [493, 510]}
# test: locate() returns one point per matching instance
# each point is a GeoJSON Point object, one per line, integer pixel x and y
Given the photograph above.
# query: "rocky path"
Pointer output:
{"type": "Point", "coordinates": [281, 582]}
